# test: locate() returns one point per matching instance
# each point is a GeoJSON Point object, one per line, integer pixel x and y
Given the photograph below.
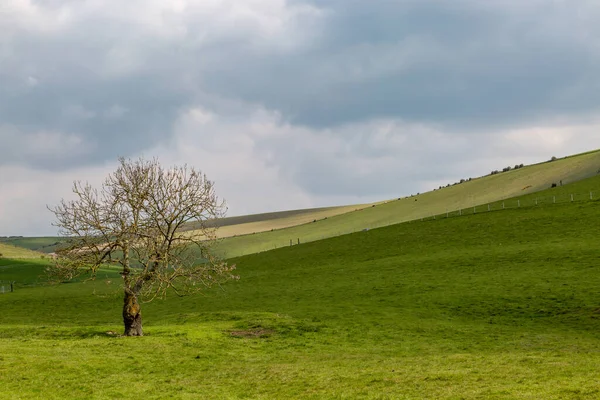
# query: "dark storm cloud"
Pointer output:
{"type": "Point", "coordinates": [115, 83]}
{"type": "Point", "coordinates": [61, 85]}
{"type": "Point", "coordinates": [463, 64]}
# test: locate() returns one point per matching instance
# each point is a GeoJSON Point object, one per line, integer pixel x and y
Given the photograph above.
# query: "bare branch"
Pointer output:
{"type": "Point", "coordinates": [135, 220]}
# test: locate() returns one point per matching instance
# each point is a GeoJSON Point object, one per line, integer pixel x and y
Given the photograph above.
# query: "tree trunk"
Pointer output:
{"type": "Point", "coordinates": [132, 315]}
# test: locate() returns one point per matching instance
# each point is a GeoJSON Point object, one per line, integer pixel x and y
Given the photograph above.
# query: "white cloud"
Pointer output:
{"type": "Point", "coordinates": [291, 103]}
{"type": "Point", "coordinates": [27, 192]}
{"type": "Point", "coordinates": [249, 159]}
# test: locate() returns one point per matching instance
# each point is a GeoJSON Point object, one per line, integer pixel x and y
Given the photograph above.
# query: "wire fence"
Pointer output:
{"type": "Point", "coordinates": [11, 286]}
{"type": "Point", "coordinates": [7, 287]}
{"type": "Point", "coordinates": [513, 203]}
{"type": "Point", "coordinates": [507, 204]}
{"type": "Point", "coordinates": [528, 201]}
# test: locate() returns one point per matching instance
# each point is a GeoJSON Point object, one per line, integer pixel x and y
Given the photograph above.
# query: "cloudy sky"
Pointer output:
{"type": "Point", "coordinates": [289, 103]}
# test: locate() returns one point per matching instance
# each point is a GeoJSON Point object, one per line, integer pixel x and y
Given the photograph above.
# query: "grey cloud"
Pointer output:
{"type": "Point", "coordinates": [384, 159]}
{"type": "Point", "coordinates": [67, 66]}
{"type": "Point", "coordinates": [120, 82]}
{"type": "Point", "coordinates": [115, 115]}
{"type": "Point", "coordinates": [461, 64]}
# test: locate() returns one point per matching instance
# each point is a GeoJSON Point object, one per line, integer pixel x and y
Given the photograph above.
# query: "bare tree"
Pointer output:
{"type": "Point", "coordinates": [135, 221]}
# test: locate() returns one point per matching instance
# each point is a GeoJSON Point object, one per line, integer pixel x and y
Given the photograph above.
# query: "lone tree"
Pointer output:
{"type": "Point", "coordinates": [136, 220]}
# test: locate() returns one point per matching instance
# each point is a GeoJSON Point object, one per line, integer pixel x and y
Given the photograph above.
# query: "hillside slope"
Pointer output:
{"type": "Point", "coordinates": [260, 232]}
{"type": "Point", "coordinates": [497, 305]}
{"type": "Point", "coordinates": [42, 244]}
{"type": "Point", "coordinates": [9, 251]}
{"type": "Point", "coordinates": [249, 224]}
{"type": "Point", "coordinates": [485, 190]}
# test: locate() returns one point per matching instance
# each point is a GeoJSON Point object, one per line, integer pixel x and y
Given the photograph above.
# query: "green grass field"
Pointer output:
{"type": "Point", "coordinates": [494, 305]}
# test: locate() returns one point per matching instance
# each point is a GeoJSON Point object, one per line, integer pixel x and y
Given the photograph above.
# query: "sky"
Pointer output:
{"type": "Point", "coordinates": [289, 104]}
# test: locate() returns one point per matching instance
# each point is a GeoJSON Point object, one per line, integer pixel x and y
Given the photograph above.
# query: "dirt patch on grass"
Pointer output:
{"type": "Point", "coordinates": [253, 333]}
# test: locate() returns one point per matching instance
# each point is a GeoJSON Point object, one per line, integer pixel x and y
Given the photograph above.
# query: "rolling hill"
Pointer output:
{"type": "Point", "coordinates": [41, 244]}
{"type": "Point", "coordinates": [10, 251]}
{"type": "Point", "coordinates": [488, 189]}
{"type": "Point", "coordinates": [250, 224]}
{"type": "Point", "coordinates": [493, 305]}
{"type": "Point", "coordinates": [260, 232]}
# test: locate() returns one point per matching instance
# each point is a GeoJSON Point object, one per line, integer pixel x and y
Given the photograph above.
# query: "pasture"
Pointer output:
{"type": "Point", "coordinates": [492, 305]}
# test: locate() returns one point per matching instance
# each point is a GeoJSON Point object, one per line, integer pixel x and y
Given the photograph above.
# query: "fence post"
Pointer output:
{"type": "Point", "coordinates": [518, 203]}
{"type": "Point", "coordinates": [12, 289]}
{"type": "Point", "coordinates": [503, 205]}
{"type": "Point", "coordinates": [459, 211]}
{"type": "Point", "coordinates": [591, 196]}
{"type": "Point", "coordinates": [536, 201]}
{"type": "Point", "coordinates": [554, 199]}
{"type": "Point", "coordinates": [489, 207]}
{"type": "Point", "coordinates": [447, 214]}
{"type": "Point", "coordinates": [298, 240]}
{"type": "Point", "coordinates": [474, 210]}
{"type": "Point", "coordinates": [290, 242]}
{"type": "Point", "coordinates": [571, 196]}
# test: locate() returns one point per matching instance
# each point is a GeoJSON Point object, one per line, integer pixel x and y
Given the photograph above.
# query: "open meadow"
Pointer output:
{"type": "Point", "coordinates": [499, 304]}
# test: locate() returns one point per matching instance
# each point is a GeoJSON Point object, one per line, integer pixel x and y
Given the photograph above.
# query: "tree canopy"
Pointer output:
{"type": "Point", "coordinates": [137, 220]}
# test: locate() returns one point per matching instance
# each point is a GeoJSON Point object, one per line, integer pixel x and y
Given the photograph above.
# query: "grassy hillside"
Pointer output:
{"type": "Point", "coordinates": [493, 305]}
{"type": "Point", "coordinates": [271, 216]}
{"type": "Point", "coordinates": [249, 224]}
{"type": "Point", "coordinates": [45, 244]}
{"type": "Point", "coordinates": [260, 232]}
{"type": "Point", "coordinates": [10, 251]}
{"type": "Point", "coordinates": [525, 181]}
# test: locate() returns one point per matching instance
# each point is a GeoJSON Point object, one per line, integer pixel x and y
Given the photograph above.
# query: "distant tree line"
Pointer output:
{"type": "Point", "coordinates": [506, 169]}
{"type": "Point", "coordinates": [494, 172]}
